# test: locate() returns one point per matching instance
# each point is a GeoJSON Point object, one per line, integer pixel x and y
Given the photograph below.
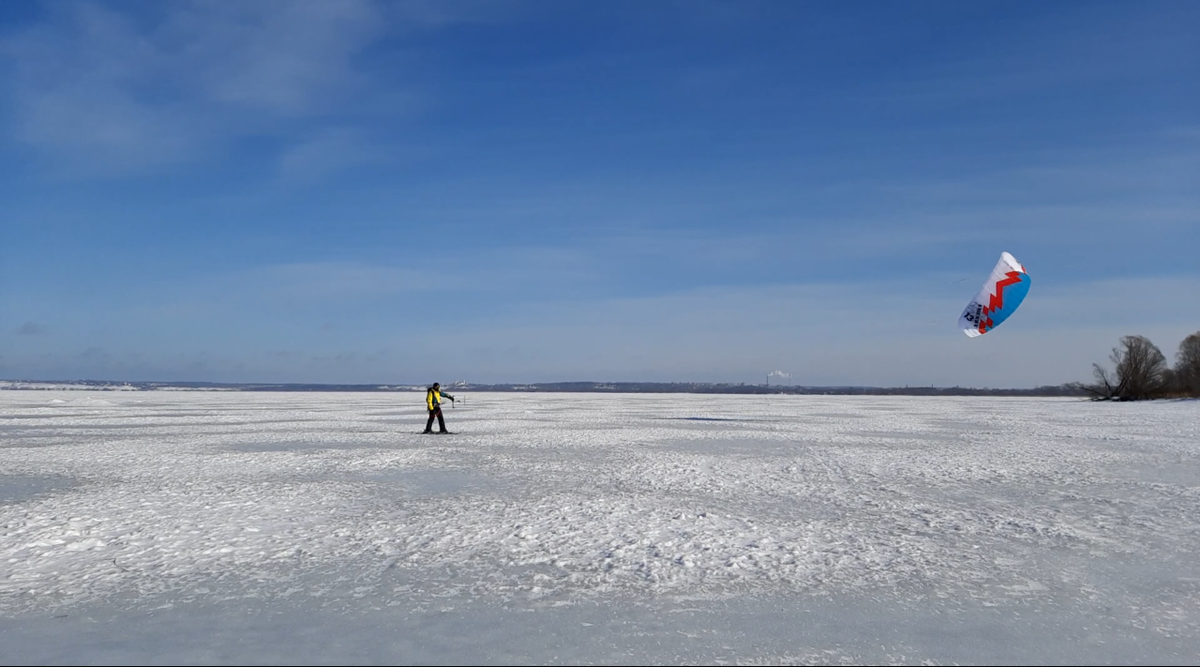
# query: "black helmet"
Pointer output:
{"type": "Point", "coordinates": [436, 385]}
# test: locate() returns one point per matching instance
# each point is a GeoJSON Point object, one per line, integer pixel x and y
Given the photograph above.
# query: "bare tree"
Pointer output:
{"type": "Point", "coordinates": [1140, 367]}
{"type": "Point", "coordinates": [1140, 372]}
{"type": "Point", "coordinates": [1103, 389]}
{"type": "Point", "coordinates": [1187, 365]}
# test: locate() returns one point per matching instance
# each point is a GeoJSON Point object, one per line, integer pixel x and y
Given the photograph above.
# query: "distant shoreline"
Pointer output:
{"type": "Point", "coordinates": [548, 387]}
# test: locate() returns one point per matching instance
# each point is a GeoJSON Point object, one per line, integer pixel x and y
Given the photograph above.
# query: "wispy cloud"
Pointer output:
{"type": "Point", "coordinates": [32, 329]}
{"type": "Point", "coordinates": [444, 12]}
{"type": "Point", "coordinates": [329, 151]}
{"type": "Point", "coordinates": [325, 280]}
{"type": "Point", "coordinates": [893, 333]}
{"type": "Point", "coordinates": [1107, 302]}
{"type": "Point", "coordinates": [118, 87]}
{"type": "Point", "coordinates": [285, 58]}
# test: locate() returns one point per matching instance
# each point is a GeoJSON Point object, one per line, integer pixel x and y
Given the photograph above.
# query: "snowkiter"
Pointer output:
{"type": "Point", "coordinates": [433, 401]}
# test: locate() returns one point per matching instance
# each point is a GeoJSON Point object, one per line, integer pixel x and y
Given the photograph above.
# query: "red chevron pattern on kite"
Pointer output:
{"type": "Point", "coordinates": [996, 301]}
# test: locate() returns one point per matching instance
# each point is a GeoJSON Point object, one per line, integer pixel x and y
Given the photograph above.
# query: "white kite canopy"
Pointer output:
{"type": "Point", "coordinates": [999, 297]}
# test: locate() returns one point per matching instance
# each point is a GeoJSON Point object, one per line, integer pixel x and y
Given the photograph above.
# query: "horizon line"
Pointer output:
{"type": "Point", "coordinates": [594, 385]}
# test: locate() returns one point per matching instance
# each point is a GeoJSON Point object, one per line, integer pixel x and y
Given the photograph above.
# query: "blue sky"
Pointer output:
{"type": "Point", "coordinates": [403, 192]}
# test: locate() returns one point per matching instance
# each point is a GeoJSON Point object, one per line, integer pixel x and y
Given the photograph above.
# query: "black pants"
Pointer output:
{"type": "Point", "coordinates": [436, 412]}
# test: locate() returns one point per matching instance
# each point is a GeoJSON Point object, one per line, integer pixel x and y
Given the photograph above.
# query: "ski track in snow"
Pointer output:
{"type": "Point", "coordinates": [541, 500]}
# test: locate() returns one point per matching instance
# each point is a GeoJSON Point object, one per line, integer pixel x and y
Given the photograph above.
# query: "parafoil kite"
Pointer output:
{"type": "Point", "coordinates": [1003, 291]}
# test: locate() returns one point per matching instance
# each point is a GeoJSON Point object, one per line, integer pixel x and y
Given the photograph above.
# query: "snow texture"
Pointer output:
{"type": "Point", "coordinates": [322, 528]}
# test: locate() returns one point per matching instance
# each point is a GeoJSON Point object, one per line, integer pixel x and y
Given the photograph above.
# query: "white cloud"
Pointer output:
{"type": "Point", "coordinates": [283, 57]}
{"type": "Point", "coordinates": [890, 334]}
{"type": "Point", "coordinates": [329, 151]}
{"type": "Point", "coordinates": [101, 88]}
{"type": "Point", "coordinates": [324, 280]}
{"type": "Point", "coordinates": [32, 329]}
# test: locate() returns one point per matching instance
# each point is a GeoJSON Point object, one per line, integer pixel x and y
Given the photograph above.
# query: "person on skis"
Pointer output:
{"type": "Point", "coordinates": [433, 401]}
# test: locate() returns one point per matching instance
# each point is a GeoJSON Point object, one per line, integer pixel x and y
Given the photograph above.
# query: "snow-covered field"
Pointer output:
{"type": "Point", "coordinates": [275, 528]}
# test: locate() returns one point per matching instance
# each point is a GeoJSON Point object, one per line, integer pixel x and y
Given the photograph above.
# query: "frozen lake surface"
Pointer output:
{"type": "Point", "coordinates": [321, 528]}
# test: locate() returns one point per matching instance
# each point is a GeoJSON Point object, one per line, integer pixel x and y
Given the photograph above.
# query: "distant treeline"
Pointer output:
{"type": "Point", "coordinates": [1072, 389]}
{"type": "Point", "coordinates": [1140, 372]}
{"type": "Point", "coordinates": [718, 388]}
